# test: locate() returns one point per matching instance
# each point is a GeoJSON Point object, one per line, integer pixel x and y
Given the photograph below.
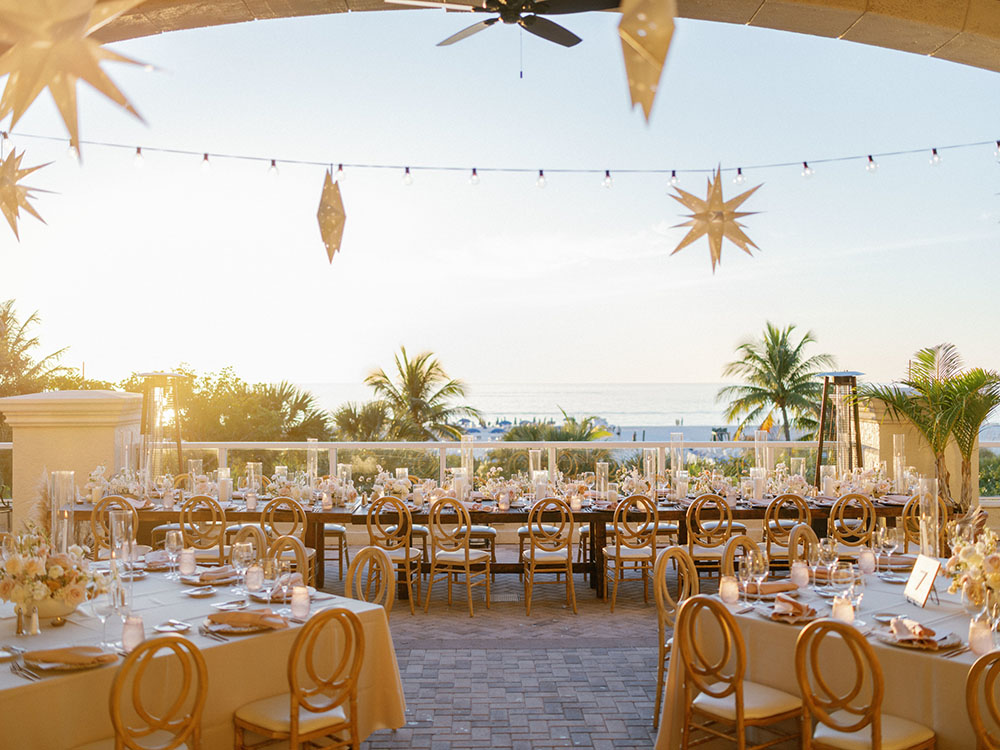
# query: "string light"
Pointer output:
{"type": "Point", "coordinates": [6, 138]}
{"type": "Point", "coordinates": [73, 153]}
{"type": "Point", "coordinates": [474, 177]}
{"type": "Point", "coordinates": [340, 173]}
{"type": "Point", "coordinates": [607, 182]}
{"type": "Point", "coordinates": [407, 177]}
{"type": "Point", "coordinates": [138, 160]}
{"type": "Point", "coordinates": [872, 165]}
{"type": "Point", "coordinates": [540, 182]}
{"type": "Point", "coordinates": [673, 178]}
{"type": "Point", "coordinates": [206, 165]}
{"type": "Point", "coordinates": [807, 171]}
{"type": "Point", "coordinates": [272, 171]}
{"type": "Point", "coordinates": [935, 157]}
{"type": "Point", "coordinates": [739, 179]}
{"type": "Point", "coordinates": [996, 151]}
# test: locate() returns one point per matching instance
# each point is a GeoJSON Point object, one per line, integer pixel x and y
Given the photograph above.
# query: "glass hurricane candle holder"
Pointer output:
{"type": "Point", "coordinates": [799, 574]}
{"type": "Point", "coordinates": [300, 602]}
{"type": "Point", "coordinates": [133, 632]}
{"type": "Point", "coordinates": [729, 590]}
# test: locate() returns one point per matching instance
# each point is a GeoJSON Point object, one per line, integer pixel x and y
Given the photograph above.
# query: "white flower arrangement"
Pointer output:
{"type": "Point", "coordinates": [125, 482]}
{"type": "Point", "coordinates": [97, 480]}
{"type": "Point", "coordinates": [35, 572]}
{"type": "Point", "coordinates": [977, 560]}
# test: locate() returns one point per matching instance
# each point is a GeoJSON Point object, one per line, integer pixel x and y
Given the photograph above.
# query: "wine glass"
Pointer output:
{"type": "Point", "coordinates": [173, 545]}
{"type": "Point", "coordinates": [746, 575]}
{"type": "Point", "coordinates": [813, 560]}
{"type": "Point", "coordinates": [8, 548]}
{"type": "Point", "coordinates": [842, 578]}
{"type": "Point", "coordinates": [284, 582]}
{"type": "Point", "coordinates": [828, 555]}
{"type": "Point", "coordinates": [759, 567]}
{"type": "Point", "coordinates": [101, 607]}
{"type": "Point", "coordinates": [890, 543]}
{"type": "Point", "coordinates": [242, 557]}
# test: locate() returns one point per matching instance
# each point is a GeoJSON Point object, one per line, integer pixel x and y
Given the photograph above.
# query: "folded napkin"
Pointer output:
{"type": "Point", "coordinates": [910, 631]}
{"type": "Point", "coordinates": [899, 561]}
{"type": "Point", "coordinates": [157, 558]}
{"type": "Point", "coordinates": [895, 499]}
{"type": "Point", "coordinates": [293, 579]}
{"type": "Point", "coordinates": [217, 574]}
{"type": "Point", "coordinates": [249, 618]}
{"type": "Point", "coordinates": [771, 587]}
{"type": "Point", "coordinates": [75, 655]}
{"type": "Point", "coordinates": [136, 502]}
{"type": "Point", "coordinates": [786, 606]}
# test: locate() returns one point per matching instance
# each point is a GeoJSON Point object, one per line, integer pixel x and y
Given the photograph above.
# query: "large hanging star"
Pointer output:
{"type": "Point", "coordinates": [13, 195]}
{"type": "Point", "coordinates": [50, 47]}
{"type": "Point", "coordinates": [331, 216]}
{"type": "Point", "coordinates": [716, 218]}
{"type": "Point", "coordinates": [646, 29]}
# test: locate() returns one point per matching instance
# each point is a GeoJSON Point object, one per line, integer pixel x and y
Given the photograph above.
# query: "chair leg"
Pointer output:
{"type": "Point", "coordinates": [489, 571]}
{"type": "Point", "coordinates": [430, 585]}
{"type": "Point", "coordinates": [493, 557]}
{"type": "Point", "coordinates": [529, 582]}
{"type": "Point", "coordinates": [659, 685]}
{"type": "Point", "coordinates": [468, 585]}
{"type": "Point", "coordinates": [570, 588]}
{"type": "Point", "coordinates": [409, 584]}
{"type": "Point", "coordinates": [614, 589]}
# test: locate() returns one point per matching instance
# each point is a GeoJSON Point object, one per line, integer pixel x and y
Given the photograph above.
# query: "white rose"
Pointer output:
{"type": "Point", "coordinates": [56, 571]}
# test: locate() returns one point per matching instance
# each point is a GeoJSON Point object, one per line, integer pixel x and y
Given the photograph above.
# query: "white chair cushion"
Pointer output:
{"type": "Point", "coordinates": [402, 553]}
{"type": "Point", "coordinates": [334, 528]}
{"type": "Point", "coordinates": [759, 702]}
{"type": "Point", "coordinates": [666, 527]}
{"type": "Point", "coordinates": [212, 553]}
{"type": "Point", "coordinates": [273, 714]}
{"type": "Point", "coordinates": [736, 528]}
{"type": "Point", "coordinates": [897, 733]}
{"type": "Point", "coordinates": [483, 530]}
{"type": "Point", "coordinates": [585, 528]}
{"type": "Point", "coordinates": [546, 555]}
{"type": "Point", "coordinates": [458, 556]}
{"type": "Point", "coordinates": [415, 530]}
{"type": "Point", "coordinates": [523, 530]}
{"type": "Point", "coordinates": [706, 553]}
{"type": "Point", "coordinates": [156, 739]}
{"type": "Point", "coordinates": [628, 553]}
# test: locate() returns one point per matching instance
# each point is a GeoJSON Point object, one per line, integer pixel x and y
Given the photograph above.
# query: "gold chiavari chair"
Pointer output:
{"type": "Point", "coordinates": [740, 542]}
{"type": "Point", "coordinates": [709, 522]}
{"type": "Point", "coordinates": [180, 481]}
{"type": "Point", "coordinates": [717, 697]}
{"type": "Point", "coordinates": [370, 578]}
{"type": "Point", "coordinates": [335, 540]}
{"type": "Point", "coordinates": [254, 535]}
{"type": "Point", "coordinates": [783, 514]}
{"type": "Point", "coordinates": [801, 539]}
{"type": "Point", "coordinates": [206, 535]}
{"type": "Point", "coordinates": [99, 523]}
{"type": "Point", "coordinates": [291, 548]}
{"type": "Point", "coordinates": [322, 703]}
{"type": "Point", "coordinates": [284, 516]}
{"type": "Point", "coordinates": [634, 547]}
{"type": "Point", "coordinates": [395, 537]}
{"type": "Point", "coordinates": [450, 551]}
{"type": "Point", "coordinates": [848, 711]}
{"type": "Point", "coordinates": [550, 548]}
{"type": "Point", "coordinates": [910, 522]}
{"type": "Point", "coordinates": [175, 720]}
{"type": "Point", "coordinates": [852, 521]}
{"type": "Point", "coordinates": [981, 688]}
{"type": "Point", "coordinates": [666, 608]}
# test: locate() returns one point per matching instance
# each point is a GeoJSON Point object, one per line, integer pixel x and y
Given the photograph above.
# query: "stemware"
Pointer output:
{"type": "Point", "coordinates": [828, 556]}
{"type": "Point", "coordinates": [759, 567]}
{"type": "Point", "coordinates": [813, 561]}
{"type": "Point", "coordinates": [890, 543]}
{"type": "Point", "coordinates": [8, 548]}
{"type": "Point", "coordinates": [243, 557]}
{"type": "Point", "coordinates": [284, 575]}
{"type": "Point", "coordinates": [173, 545]}
{"type": "Point", "coordinates": [101, 607]}
{"type": "Point", "coordinates": [746, 575]}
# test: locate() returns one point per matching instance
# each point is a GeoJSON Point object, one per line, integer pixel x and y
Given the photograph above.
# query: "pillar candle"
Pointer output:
{"type": "Point", "coordinates": [800, 574]}
{"type": "Point", "coordinates": [187, 562]}
{"type": "Point", "coordinates": [729, 590]}
{"type": "Point", "coordinates": [300, 602]}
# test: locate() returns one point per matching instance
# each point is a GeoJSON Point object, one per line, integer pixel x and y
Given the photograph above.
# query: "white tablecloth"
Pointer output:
{"type": "Point", "coordinates": [920, 685]}
{"type": "Point", "coordinates": [70, 709]}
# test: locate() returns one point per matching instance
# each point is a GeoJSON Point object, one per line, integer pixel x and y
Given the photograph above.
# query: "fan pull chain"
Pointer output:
{"type": "Point", "coordinates": [520, 42]}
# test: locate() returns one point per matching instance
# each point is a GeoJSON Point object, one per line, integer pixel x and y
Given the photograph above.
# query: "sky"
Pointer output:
{"type": "Point", "coordinates": [144, 268]}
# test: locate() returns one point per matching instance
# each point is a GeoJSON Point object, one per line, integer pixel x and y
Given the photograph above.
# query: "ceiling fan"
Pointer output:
{"type": "Point", "coordinates": [529, 15]}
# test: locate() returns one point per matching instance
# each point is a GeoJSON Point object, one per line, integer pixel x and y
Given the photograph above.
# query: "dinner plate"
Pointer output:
{"type": "Point", "coordinates": [947, 640]}
{"type": "Point", "coordinates": [133, 575]}
{"type": "Point", "coordinates": [195, 580]}
{"type": "Point", "coordinates": [770, 597]}
{"type": "Point", "coordinates": [6, 655]}
{"type": "Point", "coordinates": [229, 606]}
{"type": "Point", "coordinates": [260, 596]}
{"type": "Point", "coordinates": [201, 592]}
{"type": "Point", "coordinates": [172, 626]}
{"type": "Point", "coordinates": [891, 578]}
{"type": "Point", "coordinates": [886, 617]}
{"type": "Point", "coordinates": [768, 614]}
{"type": "Point", "coordinates": [224, 629]}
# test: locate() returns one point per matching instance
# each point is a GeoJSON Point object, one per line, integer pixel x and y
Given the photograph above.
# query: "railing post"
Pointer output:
{"type": "Point", "coordinates": [222, 454]}
{"type": "Point", "coordinates": [442, 464]}
{"type": "Point", "coordinates": [332, 458]}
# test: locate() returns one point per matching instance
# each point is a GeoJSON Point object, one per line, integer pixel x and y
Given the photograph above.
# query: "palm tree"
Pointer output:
{"type": "Point", "coordinates": [299, 417]}
{"type": "Point", "coordinates": [776, 374]}
{"type": "Point", "coordinates": [978, 393]}
{"type": "Point", "coordinates": [420, 398]}
{"type": "Point", "coordinates": [366, 422]}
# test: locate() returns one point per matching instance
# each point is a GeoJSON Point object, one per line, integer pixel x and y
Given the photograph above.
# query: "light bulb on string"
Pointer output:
{"type": "Point", "coordinates": [340, 173]}
{"type": "Point", "coordinates": [73, 153]}
{"type": "Point", "coordinates": [996, 151]}
{"type": "Point", "coordinates": [807, 171]}
{"type": "Point", "coordinates": [739, 179]}
{"type": "Point", "coordinates": [673, 178]}
{"type": "Point", "coordinates": [541, 182]}
{"type": "Point", "coordinates": [607, 182]}
{"type": "Point", "coordinates": [935, 157]}
{"type": "Point", "coordinates": [138, 160]}
{"type": "Point", "coordinates": [206, 165]}
{"type": "Point", "coordinates": [474, 177]}
{"type": "Point", "coordinates": [407, 177]}
{"type": "Point", "coordinates": [872, 165]}
{"type": "Point", "coordinates": [272, 171]}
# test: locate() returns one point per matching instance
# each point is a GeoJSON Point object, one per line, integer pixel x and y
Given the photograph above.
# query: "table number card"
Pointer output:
{"type": "Point", "coordinates": [921, 581]}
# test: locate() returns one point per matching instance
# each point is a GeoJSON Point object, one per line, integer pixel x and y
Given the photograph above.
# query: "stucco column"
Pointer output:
{"type": "Point", "coordinates": [66, 431]}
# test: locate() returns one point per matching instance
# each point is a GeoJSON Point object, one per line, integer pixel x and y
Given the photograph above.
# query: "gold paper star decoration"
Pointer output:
{"type": "Point", "coordinates": [50, 47]}
{"type": "Point", "coordinates": [331, 216]}
{"type": "Point", "coordinates": [646, 29]}
{"type": "Point", "coordinates": [13, 195]}
{"type": "Point", "coordinates": [716, 218]}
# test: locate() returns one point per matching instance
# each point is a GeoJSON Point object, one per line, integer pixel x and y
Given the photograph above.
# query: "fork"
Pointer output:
{"type": "Point", "coordinates": [211, 634]}
{"type": "Point", "coordinates": [20, 671]}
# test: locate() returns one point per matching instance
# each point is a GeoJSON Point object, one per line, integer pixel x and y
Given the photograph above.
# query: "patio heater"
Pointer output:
{"type": "Point", "coordinates": [161, 416]}
{"type": "Point", "coordinates": [847, 420]}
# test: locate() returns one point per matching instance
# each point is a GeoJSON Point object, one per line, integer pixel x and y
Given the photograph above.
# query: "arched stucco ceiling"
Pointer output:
{"type": "Point", "coordinates": [963, 31]}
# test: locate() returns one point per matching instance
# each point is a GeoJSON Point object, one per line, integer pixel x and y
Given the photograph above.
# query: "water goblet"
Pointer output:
{"type": "Point", "coordinates": [759, 567]}
{"type": "Point", "coordinates": [745, 576]}
{"type": "Point", "coordinates": [173, 545]}
{"type": "Point", "coordinates": [284, 575]}
{"type": "Point", "coordinates": [890, 543]}
{"type": "Point", "coordinates": [243, 557]}
{"type": "Point", "coordinates": [101, 607]}
{"type": "Point", "coordinates": [828, 556]}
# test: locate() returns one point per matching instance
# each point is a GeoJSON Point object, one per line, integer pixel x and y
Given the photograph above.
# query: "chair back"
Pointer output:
{"type": "Point", "coordinates": [180, 480]}
{"type": "Point", "coordinates": [779, 512]}
{"type": "Point", "coordinates": [981, 688]}
{"type": "Point", "coordinates": [283, 544]}
{"type": "Point", "coordinates": [180, 701]}
{"type": "Point", "coordinates": [449, 526]}
{"type": "Point", "coordinates": [283, 516]}
{"type": "Point", "coordinates": [727, 565]}
{"type": "Point", "coordinates": [911, 523]}
{"type": "Point", "coordinates": [390, 524]}
{"type": "Point", "coordinates": [801, 539]}
{"type": "Point", "coordinates": [254, 535]}
{"type": "Point", "coordinates": [856, 702]}
{"type": "Point", "coordinates": [717, 677]}
{"type": "Point", "coordinates": [100, 525]}
{"type": "Point", "coordinates": [636, 522]}
{"type": "Point", "coordinates": [709, 522]}
{"type": "Point", "coordinates": [202, 533]}
{"type": "Point", "coordinates": [852, 520]}
{"type": "Point", "coordinates": [687, 583]}
{"type": "Point", "coordinates": [554, 534]}
{"type": "Point", "coordinates": [318, 684]}
{"type": "Point", "coordinates": [370, 577]}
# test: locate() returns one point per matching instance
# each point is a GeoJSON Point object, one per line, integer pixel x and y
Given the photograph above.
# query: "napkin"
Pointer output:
{"type": "Point", "coordinates": [771, 587]}
{"type": "Point", "coordinates": [221, 573]}
{"type": "Point", "coordinates": [293, 579]}
{"type": "Point", "coordinates": [786, 606]}
{"type": "Point", "coordinates": [899, 561]}
{"type": "Point", "coordinates": [249, 618]}
{"type": "Point", "coordinates": [906, 630]}
{"type": "Point", "coordinates": [157, 558]}
{"type": "Point", "coordinates": [75, 655]}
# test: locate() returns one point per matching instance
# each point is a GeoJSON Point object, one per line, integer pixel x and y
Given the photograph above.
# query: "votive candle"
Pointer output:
{"type": "Point", "coordinates": [187, 563]}
{"type": "Point", "coordinates": [799, 574]}
{"type": "Point", "coordinates": [255, 578]}
{"type": "Point", "coordinates": [866, 561]}
{"type": "Point", "coordinates": [843, 610]}
{"type": "Point", "coordinates": [576, 502]}
{"type": "Point", "coordinates": [980, 636]}
{"type": "Point", "coordinates": [729, 590]}
{"type": "Point", "coordinates": [327, 501]}
{"type": "Point", "coordinates": [133, 632]}
{"type": "Point", "coordinates": [300, 602]}
{"type": "Point", "coordinates": [251, 498]}
{"type": "Point", "coordinates": [503, 501]}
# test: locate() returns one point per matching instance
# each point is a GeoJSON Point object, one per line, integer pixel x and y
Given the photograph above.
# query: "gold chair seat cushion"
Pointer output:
{"type": "Point", "coordinates": [667, 527]}
{"type": "Point", "coordinates": [478, 530]}
{"type": "Point", "coordinates": [784, 523]}
{"type": "Point", "coordinates": [759, 702]}
{"type": "Point", "coordinates": [402, 553]}
{"type": "Point", "coordinates": [416, 530]}
{"type": "Point", "coordinates": [165, 527]}
{"type": "Point", "coordinates": [897, 733]}
{"type": "Point", "coordinates": [547, 555]}
{"type": "Point", "coordinates": [458, 556]}
{"type": "Point", "coordinates": [156, 739]}
{"type": "Point", "coordinates": [272, 714]}
{"type": "Point", "coordinates": [289, 554]}
{"type": "Point", "coordinates": [523, 530]}
{"type": "Point", "coordinates": [334, 528]}
{"type": "Point", "coordinates": [585, 529]}
{"type": "Point", "coordinates": [737, 527]}
{"type": "Point", "coordinates": [629, 553]}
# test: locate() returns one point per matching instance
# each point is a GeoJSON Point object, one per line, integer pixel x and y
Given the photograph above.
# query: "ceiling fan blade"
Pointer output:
{"type": "Point", "coordinates": [464, 33]}
{"type": "Point", "coordinates": [549, 30]}
{"type": "Point", "coordinates": [559, 7]}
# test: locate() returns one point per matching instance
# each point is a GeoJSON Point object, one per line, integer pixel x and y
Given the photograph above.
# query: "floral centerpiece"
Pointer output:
{"type": "Point", "coordinates": [710, 482]}
{"type": "Point", "coordinates": [34, 575]}
{"type": "Point", "coordinates": [632, 483]}
{"type": "Point", "coordinates": [974, 558]}
{"type": "Point", "coordinates": [97, 484]}
{"type": "Point", "coordinates": [126, 483]}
